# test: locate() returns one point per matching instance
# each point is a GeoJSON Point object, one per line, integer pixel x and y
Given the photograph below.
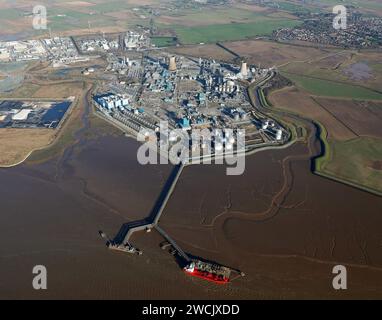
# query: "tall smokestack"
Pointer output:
{"type": "Point", "coordinates": [172, 64]}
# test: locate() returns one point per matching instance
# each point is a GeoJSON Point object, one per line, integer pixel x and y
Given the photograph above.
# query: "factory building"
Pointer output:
{"type": "Point", "coordinates": [110, 101]}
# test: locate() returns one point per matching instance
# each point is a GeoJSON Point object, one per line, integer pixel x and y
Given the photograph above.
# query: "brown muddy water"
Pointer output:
{"type": "Point", "coordinates": [283, 226]}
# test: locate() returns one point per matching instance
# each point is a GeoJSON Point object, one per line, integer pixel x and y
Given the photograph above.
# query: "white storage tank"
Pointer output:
{"type": "Point", "coordinates": [279, 134]}
{"type": "Point", "coordinates": [229, 146]}
{"type": "Point", "coordinates": [218, 147]}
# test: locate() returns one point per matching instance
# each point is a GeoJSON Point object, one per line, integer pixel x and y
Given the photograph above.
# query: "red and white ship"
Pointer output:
{"type": "Point", "coordinates": [208, 271]}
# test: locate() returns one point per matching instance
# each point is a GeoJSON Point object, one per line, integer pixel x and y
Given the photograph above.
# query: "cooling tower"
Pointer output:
{"type": "Point", "coordinates": [244, 69]}
{"type": "Point", "coordinates": [172, 64]}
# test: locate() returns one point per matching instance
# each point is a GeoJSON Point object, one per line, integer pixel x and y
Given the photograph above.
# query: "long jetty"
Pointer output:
{"type": "Point", "coordinates": [128, 229]}
{"type": "Point", "coordinates": [173, 243]}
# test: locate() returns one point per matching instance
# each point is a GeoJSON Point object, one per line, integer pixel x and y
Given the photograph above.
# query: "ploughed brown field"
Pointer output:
{"type": "Point", "coordinates": [362, 117]}
{"type": "Point", "coordinates": [353, 146]}
{"type": "Point", "coordinates": [361, 68]}
{"type": "Point", "coordinates": [271, 54]}
{"type": "Point", "coordinates": [206, 51]}
{"type": "Point", "coordinates": [299, 102]}
{"type": "Point", "coordinates": [333, 61]}
{"type": "Point", "coordinates": [376, 165]}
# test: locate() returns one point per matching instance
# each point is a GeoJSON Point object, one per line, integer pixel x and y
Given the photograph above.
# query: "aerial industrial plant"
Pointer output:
{"type": "Point", "coordinates": [189, 93]}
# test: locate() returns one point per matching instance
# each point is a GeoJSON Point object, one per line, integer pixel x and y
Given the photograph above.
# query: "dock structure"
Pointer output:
{"type": "Point", "coordinates": [128, 229]}
{"type": "Point", "coordinates": [167, 191]}
{"type": "Point", "coordinates": [173, 243]}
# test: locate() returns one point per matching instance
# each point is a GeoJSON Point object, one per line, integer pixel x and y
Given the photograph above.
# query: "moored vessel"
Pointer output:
{"type": "Point", "coordinates": [208, 271]}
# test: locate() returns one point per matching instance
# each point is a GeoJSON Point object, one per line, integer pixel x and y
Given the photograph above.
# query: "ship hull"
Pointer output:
{"type": "Point", "coordinates": [207, 276]}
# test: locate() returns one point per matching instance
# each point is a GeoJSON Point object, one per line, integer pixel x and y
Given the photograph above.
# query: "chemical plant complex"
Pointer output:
{"type": "Point", "coordinates": [143, 86]}
{"type": "Point", "coordinates": [188, 94]}
{"type": "Point", "coordinates": [191, 150]}
{"type": "Point", "coordinates": [146, 92]}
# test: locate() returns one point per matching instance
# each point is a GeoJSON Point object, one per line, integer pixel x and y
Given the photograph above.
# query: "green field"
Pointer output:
{"type": "Point", "coordinates": [219, 16]}
{"type": "Point", "coordinates": [328, 4]}
{"type": "Point", "coordinates": [64, 19]}
{"type": "Point", "coordinates": [163, 41]}
{"type": "Point", "coordinates": [294, 8]}
{"type": "Point", "coordinates": [332, 89]}
{"type": "Point", "coordinates": [223, 24]}
{"type": "Point", "coordinates": [377, 67]}
{"type": "Point", "coordinates": [363, 4]}
{"type": "Point", "coordinates": [10, 14]}
{"type": "Point", "coordinates": [111, 6]}
{"type": "Point", "coordinates": [353, 161]}
{"type": "Point", "coordinates": [227, 32]}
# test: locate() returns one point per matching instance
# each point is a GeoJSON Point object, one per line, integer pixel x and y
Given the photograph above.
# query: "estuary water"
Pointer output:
{"type": "Point", "coordinates": [280, 224]}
